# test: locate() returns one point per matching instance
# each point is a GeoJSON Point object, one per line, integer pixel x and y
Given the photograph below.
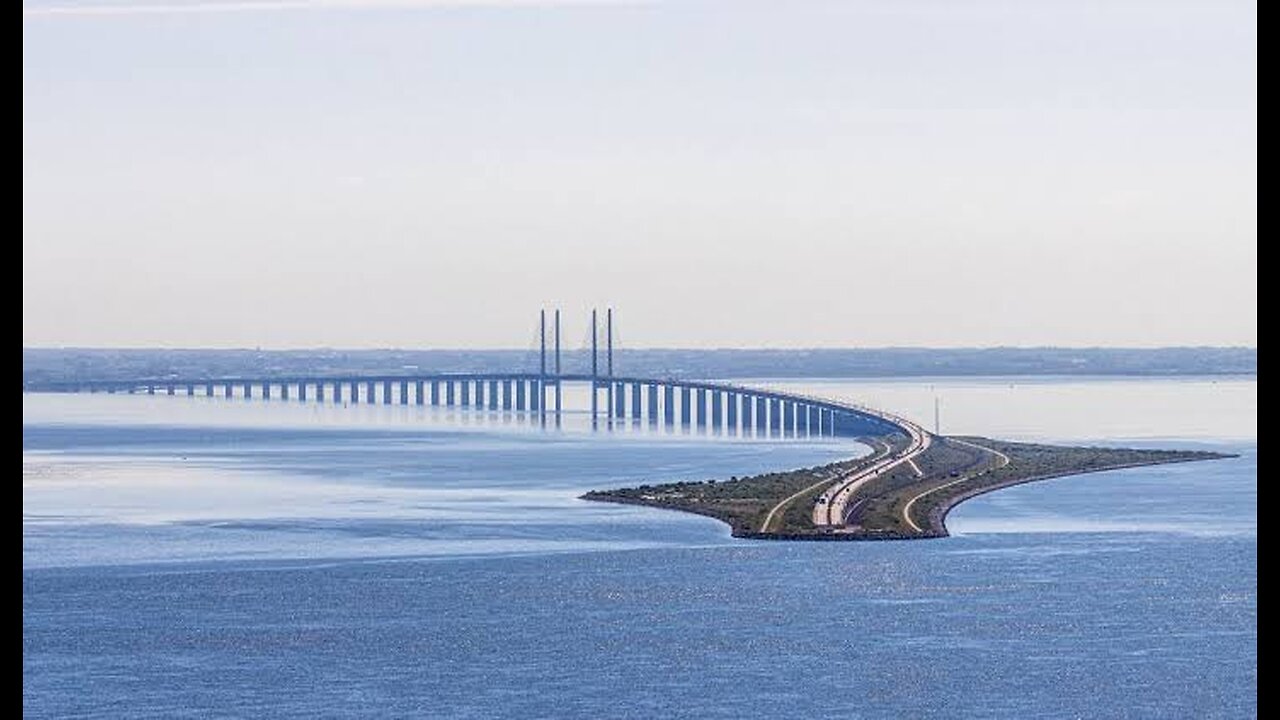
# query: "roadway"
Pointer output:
{"type": "Point", "coordinates": [831, 508]}
{"type": "Point", "coordinates": [1001, 459]}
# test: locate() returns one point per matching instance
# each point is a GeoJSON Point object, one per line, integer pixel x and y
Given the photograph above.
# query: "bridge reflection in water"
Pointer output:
{"type": "Point", "coordinates": [608, 399]}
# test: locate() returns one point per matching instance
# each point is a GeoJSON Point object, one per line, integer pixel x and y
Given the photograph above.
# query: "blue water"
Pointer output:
{"type": "Point", "coordinates": [183, 557]}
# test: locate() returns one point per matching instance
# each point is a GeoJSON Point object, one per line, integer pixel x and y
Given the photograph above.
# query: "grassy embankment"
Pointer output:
{"type": "Point", "coordinates": [954, 469]}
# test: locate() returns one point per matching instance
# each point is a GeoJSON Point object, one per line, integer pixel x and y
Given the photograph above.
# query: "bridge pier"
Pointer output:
{"type": "Point", "coordinates": [686, 407]}
{"type": "Point", "coordinates": [494, 395]}
{"type": "Point", "coordinates": [748, 423]}
{"type": "Point", "coordinates": [668, 406]}
{"type": "Point", "coordinates": [619, 408]}
{"type": "Point", "coordinates": [520, 395]}
{"type": "Point", "coordinates": [717, 411]}
{"type": "Point", "coordinates": [636, 400]}
{"type": "Point", "coordinates": [465, 387]}
{"type": "Point", "coordinates": [731, 412]}
{"type": "Point", "coordinates": [284, 391]}
{"type": "Point", "coordinates": [449, 393]}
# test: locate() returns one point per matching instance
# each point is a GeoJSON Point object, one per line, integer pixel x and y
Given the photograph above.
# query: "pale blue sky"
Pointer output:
{"type": "Point", "coordinates": [428, 174]}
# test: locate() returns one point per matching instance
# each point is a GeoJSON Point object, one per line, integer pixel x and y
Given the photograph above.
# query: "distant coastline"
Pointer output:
{"type": "Point", "coordinates": [70, 364]}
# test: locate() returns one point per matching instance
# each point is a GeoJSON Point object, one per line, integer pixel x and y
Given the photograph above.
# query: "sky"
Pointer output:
{"type": "Point", "coordinates": [295, 173]}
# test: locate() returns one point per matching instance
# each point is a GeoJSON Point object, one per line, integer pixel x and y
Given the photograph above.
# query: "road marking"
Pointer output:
{"type": "Point", "coordinates": [920, 441]}
{"type": "Point", "coordinates": [906, 509]}
{"type": "Point", "coordinates": [764, 526]}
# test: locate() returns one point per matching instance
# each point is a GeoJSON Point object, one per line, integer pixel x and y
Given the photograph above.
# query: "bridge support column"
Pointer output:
{"type": "Point", "coordinates": [284, 391]}
{"type": "Point", "coordinates": [520, 395]}
{"type": "Point", "coordinates": [731, 412]}
{"type": "Point", "coordinates": [508, 391]}
{"type": "Point", "coordinates": [466, 393]}
{"type": "Point", "coordinates": [619, 409]}
{"type": "Point", "coordinates": [208, 390]}
{"type": "Point", "coordinates": [493, 395]}
{"type": "Point", "coordinates": [449, 391]}
{"type": "Point", "coordinates": [191, 390]}
{"type": "Point", "coordinates": [762, 416]}
{"type": "Point", "coordinates": [418, 388]}
{"type": "Point", "coordinates": [775, 417]}
{"type": "Point", "coordinates": [637, 400]}
{"type": "Point", "coordinates": [537, 398]}
{"type": "Point", "coordinates": [248, 391]}
{"type": "Point", "coordinates": [717, 410]}
{"type": "Point", "coordinates": [700, 407]}
{"type": "Point", "coordinates": [371, 392]}
{"type": "Point", "coordinates": [302, 391]}
{"type": "Point", "coordinates": [686, 407]}
{"type": "Point", "coordinates": [668, 406]}
{"type": "Point", "coordinates": [404, 392]}
{"type": "Point", "coordinates": [435, 392]}
{"type": "Point", "coordinates": [748, 422]}
{"type": "Point", "coordinates": [337, 393]}
{"type": "Point", "coordinates": [480, 384]}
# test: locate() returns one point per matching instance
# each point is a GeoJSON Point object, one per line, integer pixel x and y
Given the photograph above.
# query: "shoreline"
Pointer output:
{"type": "Point", "coordinates": [934, 522]}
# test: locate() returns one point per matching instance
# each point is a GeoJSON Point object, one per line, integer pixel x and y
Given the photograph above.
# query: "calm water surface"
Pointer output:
{"type": "Point", "coordinates": [196, 557]}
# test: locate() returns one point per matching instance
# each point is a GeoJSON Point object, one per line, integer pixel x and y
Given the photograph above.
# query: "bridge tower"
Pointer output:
{"type": "Point", "coordinates": [542, 367]}
{"type": "Point", "coordinates": [558, 394]}
{"type": "Point", "coordinates": [595, 370]}
{"type": "Point", "coordinates": [608, 353]}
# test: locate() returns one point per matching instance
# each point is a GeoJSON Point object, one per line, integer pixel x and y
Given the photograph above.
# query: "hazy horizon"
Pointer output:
{"type": "Point", "coordinates": [290, 174]}
{"type": "Point", "coordinates": [633, 348]}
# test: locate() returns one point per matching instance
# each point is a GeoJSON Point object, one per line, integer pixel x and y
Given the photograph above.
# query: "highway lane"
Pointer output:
{"type": "Point", "coordinates": [1001, 459]}
{"type": "Point", "coordinates": [820, 507]}
{"type": "Point", "coordinates": [830, 509]}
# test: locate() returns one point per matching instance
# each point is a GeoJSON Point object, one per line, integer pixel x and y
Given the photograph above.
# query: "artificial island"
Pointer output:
{"type": "Point", "coordinates": [902, 489]}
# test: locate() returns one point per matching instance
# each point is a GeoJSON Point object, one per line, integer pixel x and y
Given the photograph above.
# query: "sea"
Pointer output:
{"type": "Point", "coordinates": [205, 557]}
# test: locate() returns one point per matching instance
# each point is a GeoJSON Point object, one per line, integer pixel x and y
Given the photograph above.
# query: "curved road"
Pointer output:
{"type": "Point", "coordinates": [831, 508]}
{"type": "Point", "coordinates": [1002, 459]}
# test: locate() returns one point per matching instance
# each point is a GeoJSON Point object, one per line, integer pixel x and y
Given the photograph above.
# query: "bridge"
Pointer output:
{"type": "Point", "coordinates": [669, 403]}
{"type": "Point", "coordinates": [613, 399]}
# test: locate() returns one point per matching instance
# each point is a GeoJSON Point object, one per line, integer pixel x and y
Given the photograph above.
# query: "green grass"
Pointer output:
{"type": "Point", "coordinates": [743, 503]}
